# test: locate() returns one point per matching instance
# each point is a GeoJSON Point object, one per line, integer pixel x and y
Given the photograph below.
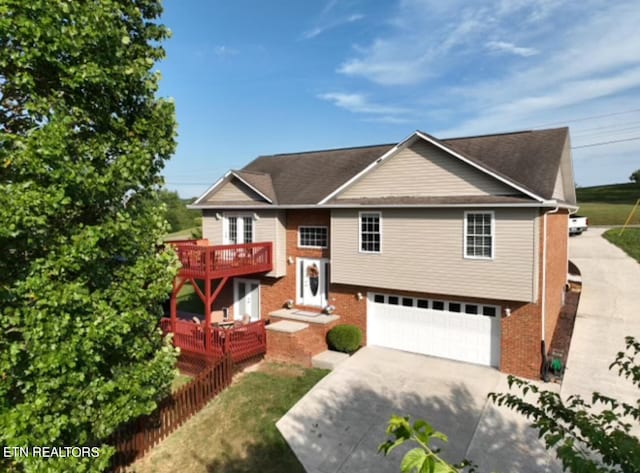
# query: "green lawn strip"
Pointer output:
{"type": "Point", "coordinates": [236, 431]}
{"type": "Point", "coordinates": [600, 213]}
{"type": "Point", "coordinates": [181, 235]}
{"type": "Point", "coordinates": [629, 241]}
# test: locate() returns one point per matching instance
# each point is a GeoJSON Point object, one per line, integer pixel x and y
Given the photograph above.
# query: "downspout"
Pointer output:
{"type": "Point", "coordinates": [543, 346]}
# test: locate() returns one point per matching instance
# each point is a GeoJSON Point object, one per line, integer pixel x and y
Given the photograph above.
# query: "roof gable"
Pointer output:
{"type": "Point", "coordinates": [231, 190]}
{"type": "Point", "coordinates": [421, 169]}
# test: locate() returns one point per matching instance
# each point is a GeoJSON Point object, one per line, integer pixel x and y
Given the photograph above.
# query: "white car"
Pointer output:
{"type": "Point", "coordinates": [578, 224]}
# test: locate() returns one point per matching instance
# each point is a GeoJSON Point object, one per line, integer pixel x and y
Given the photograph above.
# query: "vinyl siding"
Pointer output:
{"type": "Point", "coordinates": [269, 227]}
{"type": "Point", "coordinates": [424, 170]}
{"type": "Point", "coordinates": [422, 250]}
{"type": "Point", "coordinates": [233, 191]}
{"type": "Point", "coordinates": [558, 188]}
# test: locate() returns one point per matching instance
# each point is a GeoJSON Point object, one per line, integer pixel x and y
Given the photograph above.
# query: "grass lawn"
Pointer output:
{"type": "Point", "coordinates": [236, 431]}
{"type": "Point", "coordinates": [610, 204]}
{"type": "Point", "coordinates": [181, 235]}
{"type": "Point", "coordinates": [629, 241]}
{"type": "Point", "coordinates": [179, 381]}
{"type": "Point", "coordinates": [602, 213]}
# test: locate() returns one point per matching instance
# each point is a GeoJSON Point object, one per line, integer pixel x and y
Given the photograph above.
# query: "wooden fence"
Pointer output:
{"type": "Point", "coordinates": [136, 438]}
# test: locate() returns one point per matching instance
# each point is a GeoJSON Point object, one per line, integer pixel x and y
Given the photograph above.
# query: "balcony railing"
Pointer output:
{"type": "Point", "coordinates": [241, 341]}
{"type": "Point", "coordinates": [201, 261]}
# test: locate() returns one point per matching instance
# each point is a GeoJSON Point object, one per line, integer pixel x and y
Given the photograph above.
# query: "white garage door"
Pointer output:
{"type": "Point", "coordinates": [461, 331]}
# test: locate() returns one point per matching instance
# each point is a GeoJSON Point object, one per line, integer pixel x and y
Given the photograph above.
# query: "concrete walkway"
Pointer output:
{"type": "Point", "coordinates": [609, 310]}
{"type": "Point", "coordinates": [339, 424]}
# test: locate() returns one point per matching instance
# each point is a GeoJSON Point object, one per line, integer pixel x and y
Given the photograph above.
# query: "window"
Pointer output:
{"type": "Point", "coordinates": [393, 300]}
{"type": "Point", "coordinates": [370, 232]}
{"type": "Point", "coordinates": [454, 306]}
{"type": "Point", "coordinates": [478, 235]}
{"type": "Point", "coordinates": [489, 311]}
{"type": "Point", "coordinates": [437, 305]}
{"type": "Point", "coordinates": [407, 302]}
{"type": "Point", "coordinates": [379, 298]}
{"type": "Point", "coordinates": [313, 237]}
{"type": "Point", "coordinates": [238, 229]}
{"type": "Point", "coordinates": [248, 229]}
{"type": "Point", "coordinates": [423, 303]}
{"type": "Point", "coordinates": [233, 230]}
{"type": "Point", "coordinates": [470, 309]}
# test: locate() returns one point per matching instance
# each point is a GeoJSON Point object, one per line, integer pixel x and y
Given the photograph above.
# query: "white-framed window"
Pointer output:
{"type": "Point", "coordinates": [313, 236]}
{"type": "Point", "coordinates": [479, 235]}
{"type": "Point", "coordinates": [238, 228]}
{"type": "Point", "coordinates": [370, 232]}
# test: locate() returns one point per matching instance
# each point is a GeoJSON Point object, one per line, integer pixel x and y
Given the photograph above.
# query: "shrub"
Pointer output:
{"type": "Point", "coordinates": [344, 338]}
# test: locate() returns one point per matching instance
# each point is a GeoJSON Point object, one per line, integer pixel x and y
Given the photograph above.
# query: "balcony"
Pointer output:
{"type": "Point", "coordinates": [203, 261]}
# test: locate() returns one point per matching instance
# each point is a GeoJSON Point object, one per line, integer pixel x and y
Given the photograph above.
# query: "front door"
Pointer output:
{"type": "Point", "coordinates": [312, 282]}
{"type": "Point", "coordinates": [246, 299]}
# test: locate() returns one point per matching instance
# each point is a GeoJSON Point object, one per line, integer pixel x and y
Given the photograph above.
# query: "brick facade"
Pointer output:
{"type": "Point", "coordinates": [520, 348]}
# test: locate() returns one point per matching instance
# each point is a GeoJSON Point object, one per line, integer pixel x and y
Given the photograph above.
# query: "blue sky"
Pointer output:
{"type": "Point", "coordinates": [263, 77]}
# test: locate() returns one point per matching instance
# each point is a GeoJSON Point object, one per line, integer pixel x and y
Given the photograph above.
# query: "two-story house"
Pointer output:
{"type": "Point", "coordinates": [455, 248]}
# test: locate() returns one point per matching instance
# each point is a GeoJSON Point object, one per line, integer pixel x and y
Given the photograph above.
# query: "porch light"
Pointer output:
{"type": "Point", "coordinates": [290, 260]}
{"type": "Point", "coordinates": [359, 296]}
{"type": "Point", "coordinates": [218, 216]}
{"type": "Point", "coordinates": [507, 312]}
{"type": "Point", "coordinates": [256, 216]}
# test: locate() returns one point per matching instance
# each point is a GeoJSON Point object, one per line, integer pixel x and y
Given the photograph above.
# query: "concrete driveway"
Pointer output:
{"type": "Point", "coordinates": [339, 424]}
{"type": "Point", "coordinates": [609, 310]}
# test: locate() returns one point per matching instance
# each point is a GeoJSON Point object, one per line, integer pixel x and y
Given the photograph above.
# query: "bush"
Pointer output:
{"type": "Point", "coordinates": [344, 338]}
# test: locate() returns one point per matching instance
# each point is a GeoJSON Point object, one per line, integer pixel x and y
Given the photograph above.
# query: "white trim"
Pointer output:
{"type": "Point", "coordinates": [206, 193]}
{"type": "Point", "coordinates": [236, 308]}
{"type": "Point", "coordinates": [360, 250]}
{"type": "Point", "coordinates": [312, 226]}
{"type": "Point", "coordinates": [493, 235]}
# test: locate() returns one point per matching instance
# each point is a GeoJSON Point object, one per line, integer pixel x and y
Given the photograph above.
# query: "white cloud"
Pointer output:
{"type": "Point", "coordinates": [329, 25]}
{"type": "Point", "coordinates": [224, 51]}
{"type": "Point", "coordinates": [504, 47]}
{"type": "Point", "coordinates": [358, 103]}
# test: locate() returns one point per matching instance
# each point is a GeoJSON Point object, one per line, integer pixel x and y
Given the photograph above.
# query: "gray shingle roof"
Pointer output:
{"type": "Point", "coordinates": [528, 159]}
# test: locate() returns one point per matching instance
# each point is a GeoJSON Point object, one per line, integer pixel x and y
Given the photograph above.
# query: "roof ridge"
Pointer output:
{"type": "Point", "coordinates": [346, 148]}
{"type": "Point", "coordinates": [504, 133]}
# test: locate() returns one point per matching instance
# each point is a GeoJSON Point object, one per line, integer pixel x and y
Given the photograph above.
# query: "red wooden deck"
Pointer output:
{"type": "Point", "coordinates": [242, 342]}
{"type": "Point", "coordinates": [201, 261]}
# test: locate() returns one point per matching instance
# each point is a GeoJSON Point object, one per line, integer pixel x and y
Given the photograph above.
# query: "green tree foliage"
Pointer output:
{"type": "Point", "coordinates": [82, 142]}
{"type": "Point", "coordinates": [587, 437]}
{"type": "Point", "coordinates": [424, 457]}
{"type": "Point", "coordinates": [635, 176]}
{"type": "Point", "coordinates": [177, 213]}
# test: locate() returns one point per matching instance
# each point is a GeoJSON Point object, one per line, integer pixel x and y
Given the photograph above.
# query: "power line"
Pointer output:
{"type": "Point", "coordinates": [592, 117]}
{"type": "Point", "coordinates": [602, 143]}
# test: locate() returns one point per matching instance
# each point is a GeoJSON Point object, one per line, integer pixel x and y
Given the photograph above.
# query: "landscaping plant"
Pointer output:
{"type": "Point", "coordinates": [344, 338]}
{"type": "Point", "coordinates": [83, 139]}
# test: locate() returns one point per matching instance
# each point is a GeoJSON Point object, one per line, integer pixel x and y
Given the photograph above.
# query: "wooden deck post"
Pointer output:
{"type": "Point", "coordinates": [207, 301]}
{"type": "Point", "coordinates": [173, 305]}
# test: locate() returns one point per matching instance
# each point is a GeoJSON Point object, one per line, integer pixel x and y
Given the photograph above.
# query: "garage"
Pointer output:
{"type": "Point", "coordinates": [463, 331]}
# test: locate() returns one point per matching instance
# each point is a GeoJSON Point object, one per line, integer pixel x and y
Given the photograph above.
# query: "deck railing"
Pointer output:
{"type": "Point", "coordinates": [242, 342]}
{"type": "Point", "coordinates": [200, 260]}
